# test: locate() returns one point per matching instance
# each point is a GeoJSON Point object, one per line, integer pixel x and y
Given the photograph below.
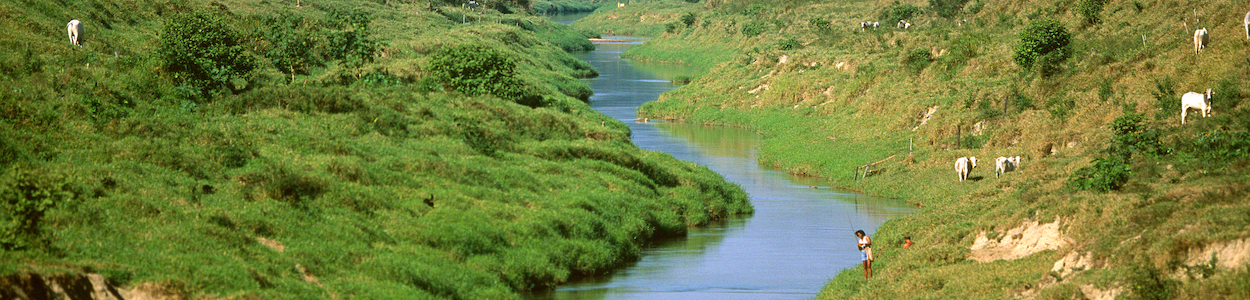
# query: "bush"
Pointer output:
{"type": "Point", "coordinates": [1147, 282]}
{"type": "Point", "coordinates": [670, 27]}
{"type": "Point", "coordinates": [1040, 38]}
{"type": "Point", "coordinates": [293, 44]}
{"type": "Point", "coordinates": [202, 51]}
{"type": "Point", "coordinates": [1091, 10]}
{"type": "Point", "coordinates": [25, 197]}
{"type": "Point", "coordinates": [1104, 174]}
{"type": "Point", "coordinates": [351, 43]}
{"type": "Point", "coordinates": [475, 70]}
{"type": "Point", "coordinates": [918, 59]}
{"type": "Point", "coordinates": [789, 44]}
{"type": "Point", "coordinates": [895, 12]}
{"type": "Point", "coordinates": [753, 28]}
{"type": "Point", "coordinates": [1112, 172]}
{"type": "Point", "coordinates": [688, 19]}
{"type": "Point", "coordinates": [947, 8]}
{"type": "Point", "coordinates": [1165, 95]}
{"type": "Point", "coordinates": [819, 24]}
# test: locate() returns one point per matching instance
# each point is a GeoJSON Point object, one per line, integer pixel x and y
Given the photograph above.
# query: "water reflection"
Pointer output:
{"type": "Point", "coordinates": [800, 235]}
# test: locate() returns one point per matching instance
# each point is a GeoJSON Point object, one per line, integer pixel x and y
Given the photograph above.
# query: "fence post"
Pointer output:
{"type": "Point", "coordinates": [959, 136]}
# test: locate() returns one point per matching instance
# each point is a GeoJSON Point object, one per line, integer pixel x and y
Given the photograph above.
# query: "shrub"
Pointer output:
{"type": "Point", "coordinates": [688, 19]}
{"type": "Point", "coordinates": [819, 24]}
{"type": "Point", "coordinates": [1113, 171]}
{"type": "Point", "coordinates": [293, 44]}
{"type": "Point", "coordinates": [918, 59]}
{"type": "Point", "coordinates": [475, 70]}
{"type": "Point", "coordinates": [1091, 10]}
{"type": "Point", "coordinates": [1040, 38]}
{"type": "Point", "coordinates": [1165, 95]}
{"type": "Point", "coordinates": [895, 12]}
{"type": "Point", "coordinates": [789, 44]}
{"type": "Point", "coordinates": [202, 51]}
{"type": "Point", "coordinates": [670, 27]}
{"type": "Point", "coordinates": [753, 28]}
{"type": "Point", "coordinates": [947, 8]}
{"type": "Point", "coordinates": [1104, 174]}
{"type": "Point", "coordinates": [682, 79]}
{"type": "Point", "coordinates": [351, 42]}
{"type": "Point", "coordinates": [1220, 146]}
{"type": "Point", "coordinates": [26, 196]}
{"type": "Point", "coordinates": [1147, 282]}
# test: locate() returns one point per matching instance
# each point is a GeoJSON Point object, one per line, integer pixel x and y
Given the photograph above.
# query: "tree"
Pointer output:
{"type": "Point", "coordinates": [1043, 37]}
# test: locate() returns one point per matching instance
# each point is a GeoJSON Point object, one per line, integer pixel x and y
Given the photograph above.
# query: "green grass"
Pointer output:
{"type": "Point", "coordinates": [374, 179]}
{"type": "Point", "coordinates": [820, 119]}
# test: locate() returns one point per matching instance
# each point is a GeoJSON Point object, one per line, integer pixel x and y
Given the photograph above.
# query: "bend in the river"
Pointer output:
{"type": "Point", "coordinates": [800, 235]}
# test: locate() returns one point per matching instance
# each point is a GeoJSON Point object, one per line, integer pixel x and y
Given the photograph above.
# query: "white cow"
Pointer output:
{"type": "Point", "coordinates": [1245, 22]}
{"type": "Point", "coordinates": [1195, 100]}
{"type": "Point", "coordinates": [1201, 39]}
{"type": "Point", "coordinates": [902, 24]}
{"type": "Point", "coordinates": [964, 165]}
{"type": "Point", "coordinates": [73, 31]}
{"type": "Point", "coordinates": [1005, 164]}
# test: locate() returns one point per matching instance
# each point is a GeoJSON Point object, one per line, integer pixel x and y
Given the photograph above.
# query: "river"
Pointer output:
{"type": "Point", "coordinates": [800, 236]}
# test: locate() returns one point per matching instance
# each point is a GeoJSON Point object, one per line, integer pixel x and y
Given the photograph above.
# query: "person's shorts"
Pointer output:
{"type": "Point", "coordinates": [866, 254]}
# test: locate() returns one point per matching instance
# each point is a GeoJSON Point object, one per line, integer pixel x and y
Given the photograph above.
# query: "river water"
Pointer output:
{"type": "Point", "coordinates": [800, 235]}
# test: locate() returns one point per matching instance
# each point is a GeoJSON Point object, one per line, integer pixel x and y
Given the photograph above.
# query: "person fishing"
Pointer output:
{"type": "Point", "coordinates": [865, 251]}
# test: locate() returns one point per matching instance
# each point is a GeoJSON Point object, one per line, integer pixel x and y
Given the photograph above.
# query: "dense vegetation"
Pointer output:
{"type": "Point", "coordinates": [1087, 92]}
{"type": "Point", "coordinates": [341, 149]}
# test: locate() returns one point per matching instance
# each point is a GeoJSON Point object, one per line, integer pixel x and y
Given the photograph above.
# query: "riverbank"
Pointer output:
{"type": "Point", "coordinates": [763, 255]}
{"type": "Point", "coordinates": [360, 157]}
{"type": "Point", "coordinates": [1108, 179]}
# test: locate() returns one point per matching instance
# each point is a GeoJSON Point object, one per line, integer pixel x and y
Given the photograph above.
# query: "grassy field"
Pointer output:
{"type": "Point", "coordinates": [1140, 195]}
{"type": "Point", "coordinates": [331, 150]}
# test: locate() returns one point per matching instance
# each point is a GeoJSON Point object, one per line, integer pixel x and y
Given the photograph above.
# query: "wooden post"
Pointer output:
{"type": "Point", "coordinates": [855, 174]}
{"type": "Point", "coordinates": [959, 136]}
{"type": "Point", "coordinates": [909, 146]}
{"type": "Point", "coordinates": [1006, 99]}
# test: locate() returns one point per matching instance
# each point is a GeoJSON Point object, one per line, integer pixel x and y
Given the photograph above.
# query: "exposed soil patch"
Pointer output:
{"type": "Point", "coordinates": [1228, 255]}
{"type": "Point", "coordinates": [1019, 242]}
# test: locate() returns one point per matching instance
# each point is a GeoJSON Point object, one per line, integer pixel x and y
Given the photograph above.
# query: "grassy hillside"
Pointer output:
{"type": "Point", "coordinates": [242, 149]}
{"type": "Point", "coordinates": [1142, 200]}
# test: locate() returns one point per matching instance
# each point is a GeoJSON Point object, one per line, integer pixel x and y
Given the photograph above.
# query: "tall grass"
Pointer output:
{"type": "Point", "coordinates": [370, 176]}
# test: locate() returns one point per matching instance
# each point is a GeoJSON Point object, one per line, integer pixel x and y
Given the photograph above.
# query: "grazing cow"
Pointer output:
{"type": "Point", "coordinates": [964, 165]}
{"type": "Point", "coordinates": [902, 24]}
{"type": "Point", "coordinates": [1195, 100]}
{"type": "Point", "coordinates": [73, 29]}
{"type": "Point", "coordinates": [1005, 164]}
{"type": "Point", "coordinates": [1201, 39]}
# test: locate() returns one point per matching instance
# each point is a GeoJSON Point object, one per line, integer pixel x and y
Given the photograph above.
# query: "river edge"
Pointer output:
{"type": "Point", "coordinates": [641, 132]}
